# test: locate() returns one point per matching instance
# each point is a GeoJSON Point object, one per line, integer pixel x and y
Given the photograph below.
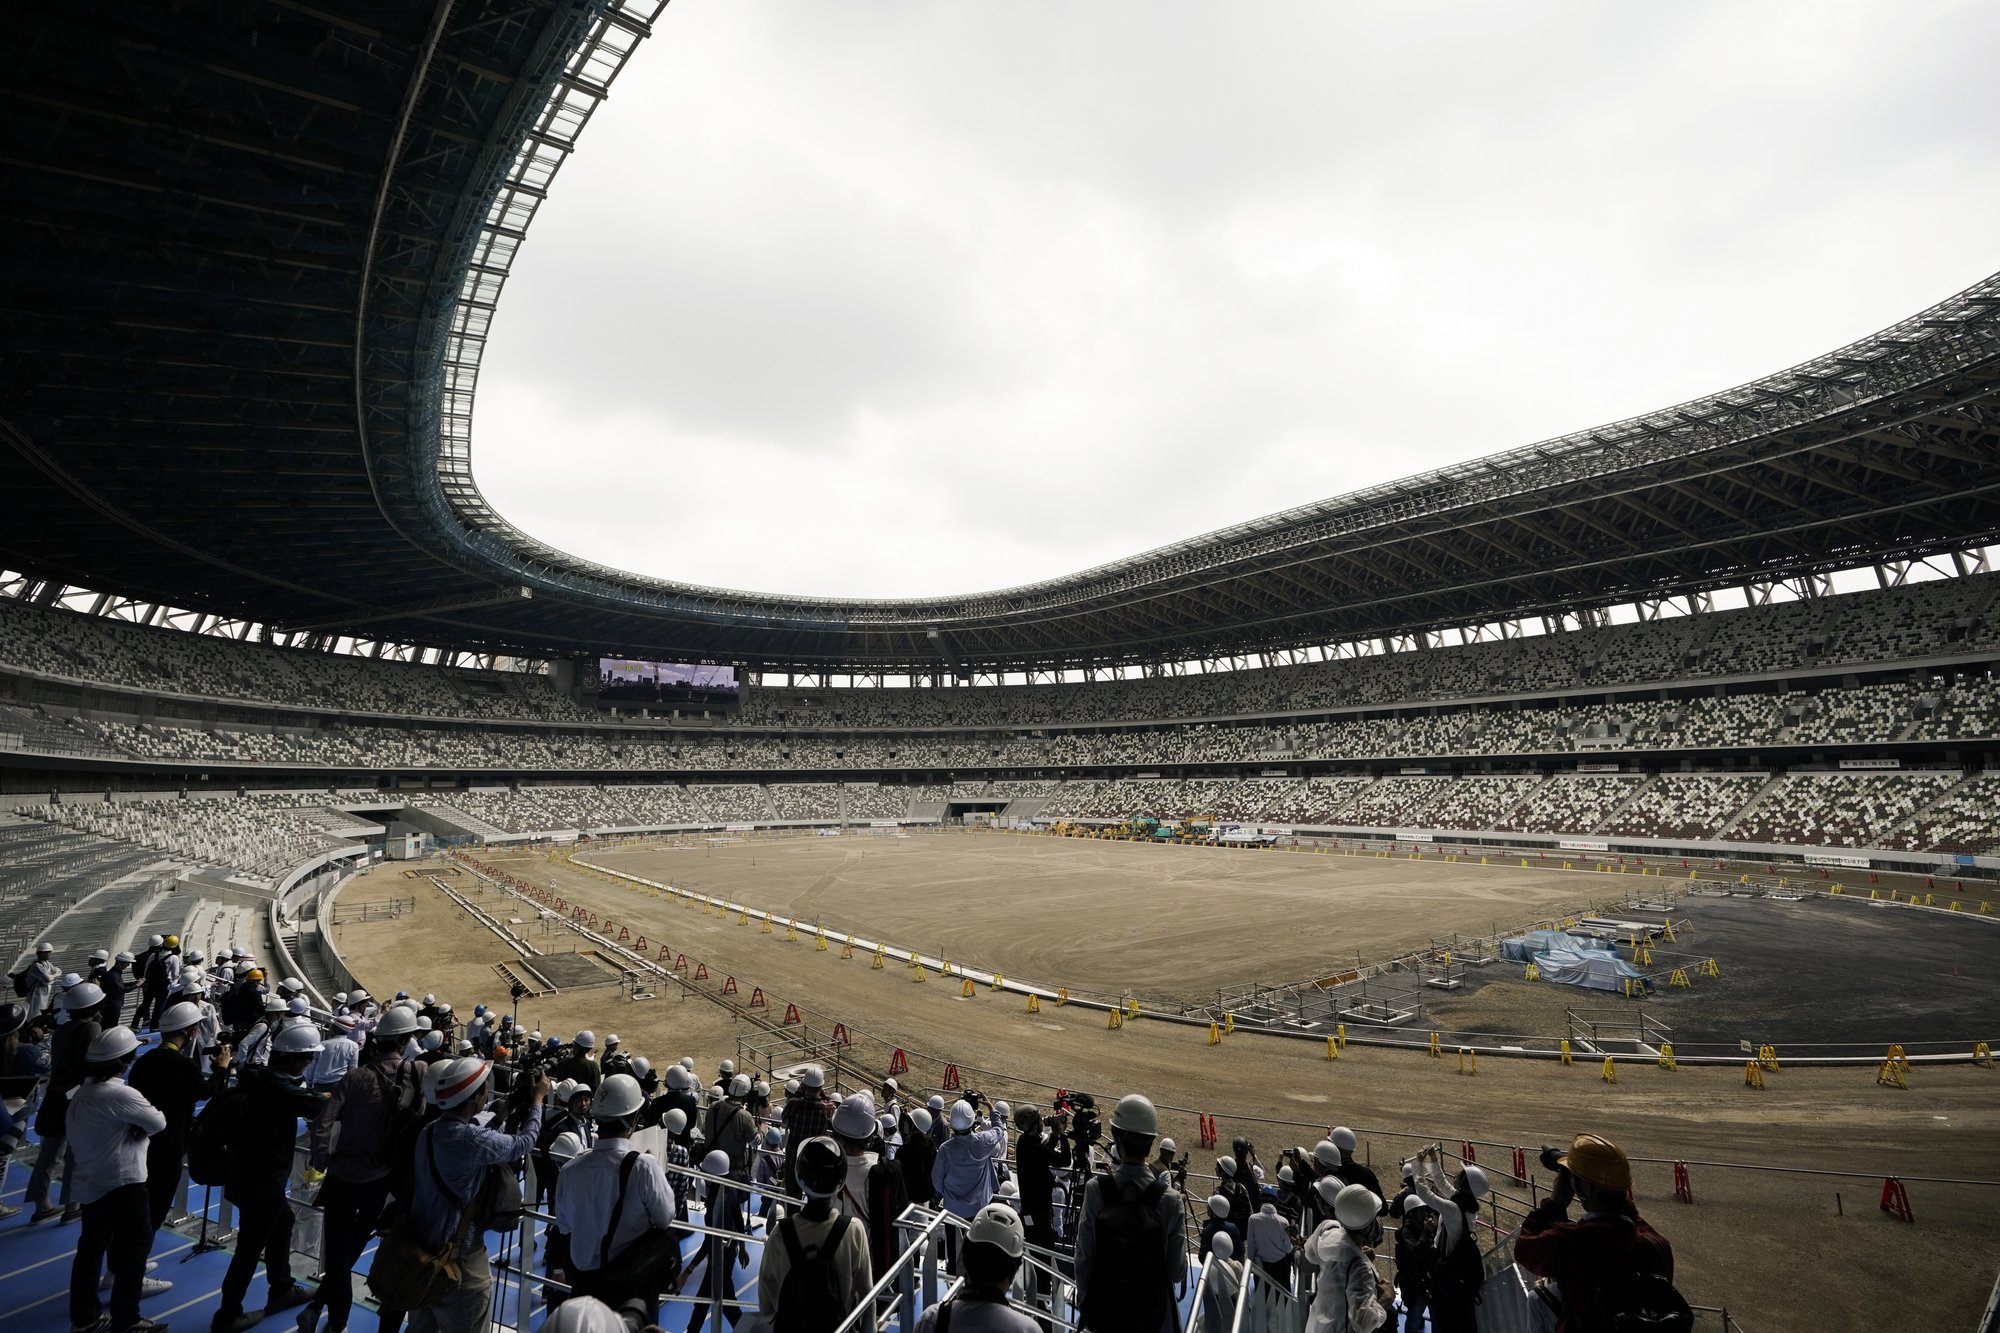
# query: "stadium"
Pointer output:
{"type": "Point", "coordinates": [1639, 782]}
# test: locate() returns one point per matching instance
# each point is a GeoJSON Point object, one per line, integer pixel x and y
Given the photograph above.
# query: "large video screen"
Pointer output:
{"type": "Point", "coordinates": [623, 678]}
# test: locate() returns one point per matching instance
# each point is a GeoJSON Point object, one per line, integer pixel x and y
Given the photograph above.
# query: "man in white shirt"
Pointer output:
{"type": "Point", "coordinates": [336, 1057]}
{"type": "Point", "coordinates": [109, 1128]}
{"type": "Point", "coordinates": [610, 1197]}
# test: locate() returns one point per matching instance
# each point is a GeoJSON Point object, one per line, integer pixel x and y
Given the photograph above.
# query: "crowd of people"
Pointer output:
{"type": "Point", "coordinates": [403, 1119]}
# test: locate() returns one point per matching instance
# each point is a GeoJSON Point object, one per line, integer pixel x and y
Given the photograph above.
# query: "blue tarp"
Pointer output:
{"type": "Point", "coordinates": [1526, 948]}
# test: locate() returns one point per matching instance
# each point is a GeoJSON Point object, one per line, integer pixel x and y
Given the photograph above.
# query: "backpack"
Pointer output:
{"type": "Point", "coordinates": [1457, 1274]}
{"type": "Point", "coordinates": [1129, 1289]}
{"type": "Point", "coordinates": [220, 1124]}
{"type": "Point", "coordinates": [156, 970]}
{"type": "Point", "coordinates": [1639, 1303]}
{"type": "Point", "coordinates": [809, 1299]}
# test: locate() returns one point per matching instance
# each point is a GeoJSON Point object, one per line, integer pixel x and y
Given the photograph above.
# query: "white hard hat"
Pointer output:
{"type": "Point", "coordinates": [921, 1119]}
{"type": "Point", "coordinates": [297, 1005]}
{"type": "Point", "coordinates": [430, 1041]}
{"type": "Point", "coordinates": [111, 1044]}
{"type": "Point", "coordinates": [83, 995]}
{"type": "Point", "coordinates": [586, 1039]}
{"type": "Point", "coordinates": [100, 955]}
{"type": "Point", "coordinates": [1008, 1190]}
{"type": "Point", "coordinates": [1134, 1114]}
{"type": "Point", "coordinates": [1168, 1145]}
{"type": "Point", "coordinates": [761, 1088]}
{"type": "Point", "coordinates": [297, 1039]}
{"type": "Point", "coordinates": [611, 1040]}
{"type": "Point", "coordinates": [936, 1103]}
{"type": "Point", "coordinates": [153, 942]}
{"type": "Point", "coordinates": [677, 1078]}
{"type": "Point", "coordinates": [618, 1097]}
{"type": "Point", "coordinates": [739, 1086]}
{"type": "Point", "coordinates": [1356, 1207]}
{"type": "Point", "coordinates": [398, 1022]}
{"type": "Point", "coordinates": [583, 1314]}
{"type": "Point", "coordinates": [1222, 1245]}
{"type": "Point", "coordinates": [791, 1087]}
{"type": "Point", "coordinates": [728, 1066]}
{"type": "Point", "coordinates": [1326, 1152]}
{"type": "Point", "coordinates": [430, 999]}
{"type": "Point", "coordinates": [1225, 1166]}
{"type": "Point", "coordinates": [961, 1116]}
{"type": "Point", "coordinates": [273, 1005]}
{"type": "Point", "coordinates": [181, 1016]}
{"type": "Point", "coordinates": [687, 1062]}
{"type": "Point", "coordinates": [1218, 1206]}
{"type": "Point", "coordinates": [812, 1076]}
{"type": "Point", "coordinates": [999, 1226]}
{"type": "Point", "coordinates": [44, 948]}
{"type": "Point", "coordinates": [1475, 1180]}
{"type": "Point", "coordinates": [675, 1120]}
{"type": "Point", "coordinates": [1342, 1138]}
{"type": "Point", "coordinates": [458, 1080]}
{"type": "Point", "coordinates": [641, 1066]}
{"type": "Point", "coordinates": [423, 1022]}
{"type": "Point", "coordinates": [854, 1118]}
{"type": "Point", "coordinates": [69, 981]}
{"type": "Point", "coordinates": [890, 1085]}
{"type": "Point", "coordinates": [1328, 1188]}
{"type": "Point", "coordinates": [1285, 1174]}
{"type": "Point", "coordinates": [716, 1163]}
{"type": "Point", "coordinates": [293, 985]}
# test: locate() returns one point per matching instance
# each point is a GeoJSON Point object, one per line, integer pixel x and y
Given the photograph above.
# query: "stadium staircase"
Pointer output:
{"type": "Point", "coordinates": [1618, 811]}
{"type": "Point", "coordinates": [470, 826]}
{"type": "Point", "coordinates": [1749, 807]}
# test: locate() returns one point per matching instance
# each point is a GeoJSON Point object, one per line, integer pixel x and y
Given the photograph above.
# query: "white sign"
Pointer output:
{"type": "Point", "coordinates": [1871, 763]}
{"type": "Point", "coordinates": [1417, 772]}
{"type": "Point", "coordinates": [738, 828]}
{"type": "Point", "coordinates": [881, 823]}
{"type": "Point", "coordinates": [1838, 862]}
{"type": "Point", "coordinates": [1413, 837]}
{"type": "Point", "coordinates": [1583, 845]}
{"type": "Point", "coordinates": [1597, 768]}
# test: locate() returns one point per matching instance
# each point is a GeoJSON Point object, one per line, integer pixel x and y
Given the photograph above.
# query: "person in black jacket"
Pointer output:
{"type": "Point", "coordinates": [277, 1099]}
{"type": "Point", "coordinates": [168, 1077]}
{"type": "Point", "coordinates": [917, 1155]}
{"type": "Point", "coordinates": [1351, 1171]}
{"type": "Point", "coordinates": [1041, 1153]}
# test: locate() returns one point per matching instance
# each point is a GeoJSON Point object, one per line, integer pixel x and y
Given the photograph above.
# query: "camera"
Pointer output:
{"type": "Point", "coordinates": [1551, 1159]}
{"type": "Point", "coordinates": [1085, 1129]}
{"type": "Point", "coordinates": [1178, 1169]}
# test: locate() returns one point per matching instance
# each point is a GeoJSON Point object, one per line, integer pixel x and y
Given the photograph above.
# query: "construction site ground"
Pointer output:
{"type": "Point", "coordinates": [1779, 1250]}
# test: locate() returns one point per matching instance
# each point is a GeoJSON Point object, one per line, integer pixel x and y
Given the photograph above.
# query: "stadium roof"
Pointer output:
{"type": "Point", "coordinates": [255, 248]}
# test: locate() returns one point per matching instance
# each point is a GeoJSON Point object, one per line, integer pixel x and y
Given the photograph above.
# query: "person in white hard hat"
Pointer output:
{"type": "Point", "coordinates": [731, 1130]}
{"type": "Point", "coordinates": [1457, 1271]}
{"type": "Point", "coordinates": [807, 1115]}
{"type": "Point", "coordinates": [1351, 1296]}
{"type": "Point", "coordinates": [69, 1046]}
{"type": "Point", "coordinates": [1416, 1254]}
{"type": "Point", "coordinates": [1225, 1278]}
{"type": "Point", "coordinates": [109, 1125]}
{"type": "Point", "coordinates": [917, 1155]}
{"type": "Point", "coordinates": [463, 1152]}
{"type": "Point", "coordinates": [1268, 1243]}
{"type": "Point", "coordinates": [353, 1144]}
{"type": "Point", "coordinates": [962, 1175]}
{"type": "Point", "coordinates": [873, 1193]}
{"type": "Point", "coordinates": [275, 1100]}
{"type": "Point", "coordinates": [1217, 1223]}
{"type": "Point", "coordinates": [581, 1062]}
{"type": "Point", "coordinates": [721, 1202]}
{"type": "Point", "coordinates": [255, 1046]}
{"type": "Point", "coordinates": [679, 1096]}
{"type": "Point", "coordinates": [1143, 1298]}
{"type": "Point", "coordinates": [991, 1255]}
{"type": "Point", "coordinates": [340, 1053]}
{"type": "Point", "coordinates": [815, 1230]}
{"type": "Point", "coordinates": [140, 966]}
{"type": "Point", "coordinates": [169, 1077]}
{"type": "Point", "coordinates": [608, 1200]}
{"type": "Point", "coordinates": [1352, 1171]}
{"type": "Point", "coordinates": [37, 981]}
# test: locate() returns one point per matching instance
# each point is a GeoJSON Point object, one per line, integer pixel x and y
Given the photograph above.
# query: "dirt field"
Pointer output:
{"type": "Point", "coordinates": [1163, 922]}
{"type": "Point", "coordinates": [1770, 1247]}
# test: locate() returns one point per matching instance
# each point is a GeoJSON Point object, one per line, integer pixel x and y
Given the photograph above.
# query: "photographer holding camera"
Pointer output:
{"type": "Point", "coordinates": [962, 1175]}
{"type": "Point", "coordinates": [1608, 1265]}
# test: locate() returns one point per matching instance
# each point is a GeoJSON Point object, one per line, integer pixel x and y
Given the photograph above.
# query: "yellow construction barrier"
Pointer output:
{"type": "Point", "coordinates": [967, 990]}
{"type": "Point", "coordinates": [1565, 1052]}
{"type": "Point", "coordinates": [1982, 1055]}
{"type": "Point", "coordinates": [1034, 1004]}
{"type": "Point", "coordinates": [1610, 1074]}
{"type": "Point", "coordinates": [847, 949]}
{"type": "Point", "coordinates": [1131, 1008]}
{"type": "Point", "coordinates": [1709, 969]}
{"type": "Point", "coordinates": [1332, 1049]}
{"type": "Point", "coordinates": [1954, 904]}
{"type": "Point", "coordinates": [1835, 889]}
{"type": "Point", "coordinates": [767, 926]}
{"type": "Point", "coordinates": [1753, 1076]}
{"type": "Point", "coordinates": [1229, 1022]}
{"type": "Point", "coordinates": [743, 918]}
{"type": "Point", "coordinates": [1667, 931]}
{"type": "Point", "coordinates": [1468, 1060]}
{"type": "Point", "coordinates": [1534, 972]}
{"type": "Point", "coordinates": [1114, 1019]}
{"type": "Point", "coordinates": [1892, 1074]}
{"type": "Point", "coordinates": [876, 966]}
{"type": "Point", "coordinates": [1767, 1056]}
{"type": "Point", "coordinates": [1340, 1035]}
{"type": "Point", "coordinates": [1062, 996]}
{"type": "Point", "coordinates": [917, 972]}
{"type": "Point", "coordinates": [1667, 1056]}
{"type": "Point", "coordinates": [820, 945]}
{"type": "Point", "coordinates": [1215, 1034]}
{"type": "Point", "coordinates": [1436, 1050]}
{"type": "Point", "coordinates": [999, 982]}
{"type": "Point", "coordinates": [792, 932]}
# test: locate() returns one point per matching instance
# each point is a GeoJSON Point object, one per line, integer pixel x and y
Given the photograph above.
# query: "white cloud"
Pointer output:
{"type": "Point", "coordinates": [906, 299]}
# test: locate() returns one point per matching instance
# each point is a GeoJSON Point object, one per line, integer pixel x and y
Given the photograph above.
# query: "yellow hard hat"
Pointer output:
{"type": "Point", "coordinates": [173, 941]}
{"type": "Point", "coordinates": [254, 974]}
{"type": "Point", "coordinates": [1598, 1161]}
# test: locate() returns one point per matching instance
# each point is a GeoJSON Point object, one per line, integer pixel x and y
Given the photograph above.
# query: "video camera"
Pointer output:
{"type": "Point", "coordinates": [1085, 1129]}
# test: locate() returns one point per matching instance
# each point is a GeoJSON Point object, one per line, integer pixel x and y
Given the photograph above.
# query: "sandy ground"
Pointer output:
{"type": "Point", "coordinates": [1771, 1247]}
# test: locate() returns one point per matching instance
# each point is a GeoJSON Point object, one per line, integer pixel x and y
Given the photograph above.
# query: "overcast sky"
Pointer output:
{"type": "Point", "coordinates": [889, 299]}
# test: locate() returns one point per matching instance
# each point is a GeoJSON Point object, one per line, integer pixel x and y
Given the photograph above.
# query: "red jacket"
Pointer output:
{"type": "Point", "coordinates": [1576, 1254]}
